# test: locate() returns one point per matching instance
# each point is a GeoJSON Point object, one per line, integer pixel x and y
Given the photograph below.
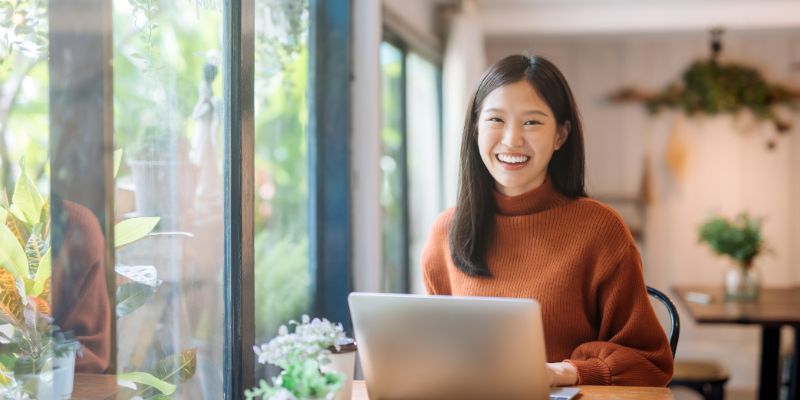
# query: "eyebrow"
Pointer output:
{"type": "Point", "coordinates": [497, 110]}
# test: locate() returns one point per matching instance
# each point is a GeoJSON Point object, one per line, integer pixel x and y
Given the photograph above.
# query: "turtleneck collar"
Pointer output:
{"type": "Point", "coordinates": [539, 199]}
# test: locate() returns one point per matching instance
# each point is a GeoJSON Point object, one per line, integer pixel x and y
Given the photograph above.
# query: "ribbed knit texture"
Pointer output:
{"type": "Point", "coordinates": [578, 259]}
{"type": "Point", "coordinates": [80, 295]}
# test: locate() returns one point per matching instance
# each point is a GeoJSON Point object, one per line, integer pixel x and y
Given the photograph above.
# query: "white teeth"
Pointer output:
{"type": "Point", "coordinates": [509, 159]}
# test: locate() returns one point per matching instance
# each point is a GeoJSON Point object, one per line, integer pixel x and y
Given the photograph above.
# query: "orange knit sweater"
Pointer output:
{"type": "Point", "coordinates": [578, 259]}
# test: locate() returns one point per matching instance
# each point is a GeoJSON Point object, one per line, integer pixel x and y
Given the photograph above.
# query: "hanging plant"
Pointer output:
{"type": "Point", "coordinates": [712, 88]}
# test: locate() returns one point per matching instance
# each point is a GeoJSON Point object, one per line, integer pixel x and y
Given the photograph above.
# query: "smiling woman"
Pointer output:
{"type": "Point", "coordinates": [524, 227]}
{"type": "Point", "coordinates": [517, 135]}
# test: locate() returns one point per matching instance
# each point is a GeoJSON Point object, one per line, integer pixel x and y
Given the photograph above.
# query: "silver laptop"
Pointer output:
{"type": "Point", "coordinates": [448, 347]}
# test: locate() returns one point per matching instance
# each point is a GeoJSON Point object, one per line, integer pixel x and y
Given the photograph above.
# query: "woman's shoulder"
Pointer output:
{"type": "Point", "coordinates": [441, 225]}
{"type": "Point", "coordinates": [600, 214]}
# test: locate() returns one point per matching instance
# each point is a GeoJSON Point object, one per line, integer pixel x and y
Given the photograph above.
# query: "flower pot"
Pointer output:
{"type": "Point", "coordinates": [53, 381]}
{"type": "Point", "coordinates": [344, 361]}
{"type": "Point", "coordinates": [742, 283]}
{"type": "Point", "coordinates": [63, 375]}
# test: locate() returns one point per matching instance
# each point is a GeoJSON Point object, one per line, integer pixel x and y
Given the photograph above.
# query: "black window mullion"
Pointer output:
{"type": "Point", "coordinates": [239, 318]}
{"type": "Point", "coordinates": [329, 158]}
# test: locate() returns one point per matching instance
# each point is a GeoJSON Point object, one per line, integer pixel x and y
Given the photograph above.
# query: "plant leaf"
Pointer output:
{"type": "Point", "coordinates": [12, 255]}
{"type": "Point", "coordinates": [143, 274]}
{"type": "Point", "coordinates": [45, 219]}
{"type": "Point", "coordinates": [147, 379]}
{"type": "Point", "coordinates": [5, 376]}
{"type": "Point", "coordinates": [42, 274]}
{"type": "Point", "coordinates": [133, 229]}
{"type": "Point", "coordinates": [177, 368]}
{"type": "Point", "coordinates": [131, 296]}
{"type": "Point", "coordinates": [17, 227]}
{"type": "Point", "coordinates": [34, 250]}
{"type": "Point", "coordinates": [27, 198]}
{"type": "Point", "coordinates": [10, 301]}
{"type": "Point", "coordinates": [3, 214]}
{"type": "Point", "coordinates": [117, 161]}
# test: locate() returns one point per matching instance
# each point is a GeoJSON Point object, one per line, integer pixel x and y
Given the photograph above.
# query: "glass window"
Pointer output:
{"type": "Point", "coordinates": [282, 275]}
{"type": "Point", "coordinates": [392, 165]}
{"type": "Point", "coordinates": [410, 162]}
{"type": "Point", "coordinates": [424, 157]}
{"type": "Point", "coordinates": [25, 301]}
{"type": "Point", "coordinates": [167, 101]}
{"type": "Point", "coordinates": [111, 126]}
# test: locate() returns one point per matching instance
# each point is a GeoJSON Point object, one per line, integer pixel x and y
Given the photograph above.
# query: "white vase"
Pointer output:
{"type": "Point", "coordinates": [742, 283]}
{"type": "Point", "coordinates": [345, 362]}
{"type": "Point", "coordinates": [63, 375]}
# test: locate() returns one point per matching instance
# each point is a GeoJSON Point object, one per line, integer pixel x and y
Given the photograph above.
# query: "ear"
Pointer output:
{"type": "Point", "coordinates": [562, 134]}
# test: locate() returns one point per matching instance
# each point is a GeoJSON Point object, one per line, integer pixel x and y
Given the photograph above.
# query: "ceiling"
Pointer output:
{"type": "Point", "coordinates": [526, 17]}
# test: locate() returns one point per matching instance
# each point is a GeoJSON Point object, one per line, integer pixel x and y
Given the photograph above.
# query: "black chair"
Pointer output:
{"type": "Point", "coordinates": [675, 319]}
{"type": "Point", "coordinates": [705, 377]}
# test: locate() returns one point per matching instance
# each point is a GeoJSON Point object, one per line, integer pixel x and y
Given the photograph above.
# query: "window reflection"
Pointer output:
{"type": "Point", "coordinates": [167, 127]}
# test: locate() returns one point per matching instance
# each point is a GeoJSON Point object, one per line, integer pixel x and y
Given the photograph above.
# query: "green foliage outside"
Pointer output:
{"type": "Point", "coordinates": [282, 278]}
{"type": "Point", "coordinates": [391, 157]}
{"type": "Point", "coordinates": [740, 238]}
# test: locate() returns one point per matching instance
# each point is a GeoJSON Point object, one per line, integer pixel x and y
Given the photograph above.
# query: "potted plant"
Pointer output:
{"type": "Point", "coordinates": [36, 358]}
{"type": "Point", "coordinates": [741, 240]}
{"type": "Point", "coordinates": [317, 359]}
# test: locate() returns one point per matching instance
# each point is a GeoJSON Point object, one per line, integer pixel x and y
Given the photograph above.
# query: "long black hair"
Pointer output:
{"type": "Point", "coordinates": [473, 224]}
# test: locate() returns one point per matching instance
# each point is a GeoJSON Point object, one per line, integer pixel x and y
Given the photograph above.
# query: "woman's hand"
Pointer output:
{"type": "Point", "coordinates": [562, 374]}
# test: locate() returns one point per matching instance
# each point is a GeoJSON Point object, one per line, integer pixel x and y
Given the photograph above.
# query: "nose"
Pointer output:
{"type": "Point", "coordinates": [512, 136]}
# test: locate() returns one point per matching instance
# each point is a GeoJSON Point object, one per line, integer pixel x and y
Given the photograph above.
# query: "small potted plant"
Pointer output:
{"type": "Point", "coordinates": [741, 240]}
{"type": "Point", "coordinates": [317, 359]}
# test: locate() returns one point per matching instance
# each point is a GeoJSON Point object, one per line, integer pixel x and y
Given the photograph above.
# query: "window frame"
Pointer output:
{"type": "Point", "coordinates": [329, 156]}
{"type": "Point", "coordinates": [404, 45]}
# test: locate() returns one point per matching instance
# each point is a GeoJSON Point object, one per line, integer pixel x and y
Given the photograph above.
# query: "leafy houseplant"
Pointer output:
{"type": "Point", "coordinates": [741, 240]}
{"type": "Point", "coordinates": [303, 355]}
{"type": "Point", "coordinates": [31, 343]}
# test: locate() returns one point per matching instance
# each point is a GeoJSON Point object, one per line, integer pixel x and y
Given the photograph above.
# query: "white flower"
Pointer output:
{"type": "Point", "coordinates": [282, 394]}
{"type": "Point", "coordinates": [311, 339]}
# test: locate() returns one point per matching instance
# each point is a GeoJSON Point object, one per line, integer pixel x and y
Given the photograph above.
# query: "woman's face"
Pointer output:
{"type": "Point", "coordinates": [517, 135]}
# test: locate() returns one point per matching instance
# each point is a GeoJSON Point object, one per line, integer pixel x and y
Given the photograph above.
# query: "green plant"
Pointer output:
{"type": "Point", "coordinates": [300, 354]}
{"type": "Point", "coordinates": [740, 238]}
{"type": "Point", "coordinates": [25, 275]}
{"type": "Point", "coordinates": [300, 380]}
{"type": "Point", "coordinates": [712, 88]}
{"type": "Point", "coordinates": [23, 28]}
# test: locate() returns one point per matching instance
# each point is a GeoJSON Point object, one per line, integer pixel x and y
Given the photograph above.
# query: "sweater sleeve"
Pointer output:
{"type": "Point", "coordinates": [632, 348]}
{"type": "Point", "coordinates": [80, 297]}
{"type": "Point", "coordinates": [435, 257]}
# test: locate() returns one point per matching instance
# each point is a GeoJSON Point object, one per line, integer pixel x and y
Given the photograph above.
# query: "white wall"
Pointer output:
{"type": "Point", "coordinates": [728, 166]}
{"type": "Point", "coordinates": [419, 15]}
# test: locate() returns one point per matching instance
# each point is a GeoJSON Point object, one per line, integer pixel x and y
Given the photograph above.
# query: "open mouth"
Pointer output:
{"type": "Point", "coordinates": [512, 159]}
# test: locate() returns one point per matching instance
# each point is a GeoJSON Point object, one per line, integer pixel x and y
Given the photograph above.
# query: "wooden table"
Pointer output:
{"type": "Point", "coordinates": [774, 308]}
{"type": "Point", "coordinates": [97, 387]}
{"type": "Point", "coordinates": [587, 392]}
{"type": "Point", "coordinates": [94, 387]}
